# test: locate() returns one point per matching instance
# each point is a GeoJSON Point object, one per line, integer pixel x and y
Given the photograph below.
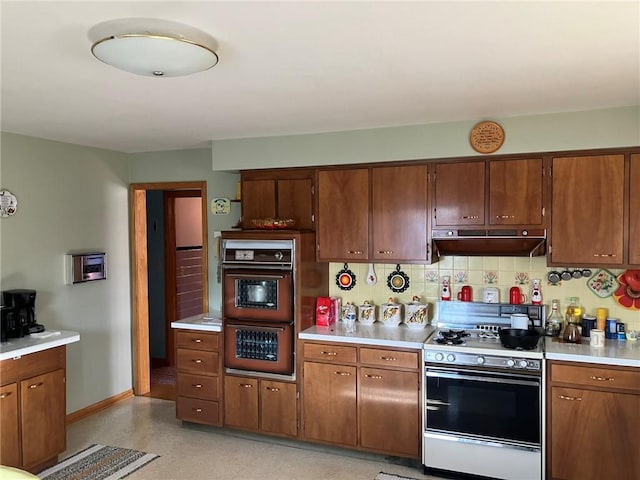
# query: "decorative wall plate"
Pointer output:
{"type": "Point", "coordinates": [345, 278]}
{"type": "Point", "coordinates": [486, 137]}
{"type": "Point", "coordinates": [603, 283]}
{"type": "Point", "coordinates": [628, 293]}
{"type": "Point", "coordinates": [8, 203]}
{"type": "Point", "coordinates": [398, 281]}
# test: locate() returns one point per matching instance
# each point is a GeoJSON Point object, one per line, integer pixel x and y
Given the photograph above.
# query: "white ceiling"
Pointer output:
{"type": "Point", "coordinates": [303, 67]}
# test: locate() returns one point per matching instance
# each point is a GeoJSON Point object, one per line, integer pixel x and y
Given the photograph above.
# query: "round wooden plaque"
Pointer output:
{"type": "Point", "coordinates": [486, 137]}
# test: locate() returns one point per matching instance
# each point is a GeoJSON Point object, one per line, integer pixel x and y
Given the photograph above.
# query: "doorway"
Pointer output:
{"type": "Point", "coordinates": [140, 270]}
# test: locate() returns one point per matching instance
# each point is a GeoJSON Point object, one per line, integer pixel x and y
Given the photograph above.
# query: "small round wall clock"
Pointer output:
{"type": "Point", "coordinates": [486, 137]}
{"type": "Point", "coordinates": [8, 203]}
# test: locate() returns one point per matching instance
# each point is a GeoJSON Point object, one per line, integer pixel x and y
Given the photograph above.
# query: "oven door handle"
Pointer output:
{"type": "Point", "coordinates": [457, 376]}
{"type": "Point", "coordinates": [256, 276]}
{"type": "Point", "coordinates": [255, 328]}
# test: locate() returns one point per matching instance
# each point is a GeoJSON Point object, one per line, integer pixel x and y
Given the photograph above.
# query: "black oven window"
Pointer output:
{"type": "Point", "coordinates": [257, 345]}
{"type": "Point", "coordinates": [256, 293]}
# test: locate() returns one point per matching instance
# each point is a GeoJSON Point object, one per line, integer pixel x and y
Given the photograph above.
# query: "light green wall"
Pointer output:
{"type": "Point", "coordinates": [192, 165]}
{"type": "Point", "coordinates": [71, 198]}
{"type": "Point", "coordinates": [616, 127]}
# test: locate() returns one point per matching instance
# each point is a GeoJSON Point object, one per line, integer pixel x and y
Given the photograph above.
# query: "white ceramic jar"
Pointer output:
{"type": "Point", "coordinates": [390, 313]}
{"type": "Point", "coordinates": [366, 313]}
{"type": "Point", "coordinates": [416, 314]}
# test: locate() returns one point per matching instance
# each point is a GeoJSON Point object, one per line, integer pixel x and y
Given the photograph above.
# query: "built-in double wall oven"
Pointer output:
{"type": "Point", "coordinates": [258, 306]}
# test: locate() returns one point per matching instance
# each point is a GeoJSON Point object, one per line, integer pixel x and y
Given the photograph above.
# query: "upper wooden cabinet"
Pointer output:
{"type": "Point", "coordinates": [634, 210]}
{"type": "Point", "coordinates": [343, 214]}
{"type": "Point", "coordinates": [284, 194]}
{"type": "Point", "coordinates": [513, 197]}
{"type": "Point", "coordinates": [587, 205]}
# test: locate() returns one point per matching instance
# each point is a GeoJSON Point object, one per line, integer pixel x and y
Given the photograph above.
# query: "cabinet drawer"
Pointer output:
{"type": "Point", "coordinates": [389, 358]}
{"type": "Point", "coordinates": [595, 376]}
{"type": "Point", "coordinates": [196, 340]}
{"type": "Point", "coordinates": [331, 353]}
{"type": "Point", "coordinates": [198, 386]}
{"type": "Point", "coordinates": [198, 411]}
{"type": "Point", "coordinates": [197, 361]}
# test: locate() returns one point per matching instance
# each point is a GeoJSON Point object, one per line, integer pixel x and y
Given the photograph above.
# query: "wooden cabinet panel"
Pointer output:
{"type": "Point", "coordinates": [197, 361]}
{"type": "Point", "coordinates": [389, 358]}
{"type": "Point", "coordinates": [399, 206]}
{"type": "Point", "coordinates": [634, 210]}
{"type": "Point", "coordinates": [198, 386]}
{"type": "Point", "coordinates": [197, 340]}
{"type": "Point", "coordinates": [196, 410]}
{"type": "Point", "coordinates": [600, 377]}
{"type": "Point", "coordinates": [343, 214]}
{"type": "Point", "coordinates": [241, 402]}
{"type": "Point", "coordinates": [389, 403]}
{"type": "Point", "coordinates": [515, 192]}
{"type": "Point", "coordinates": [587, 210]}
{"type": "Point", "coordinates": [330, 353]}
{"type": "Point", "coordinates": [278, 408]}
{"type": "Point", "coordinates": [594, 434]}
{"type": "Point", "coordinates": [9, 436]}
{"type": "Point", "coordinates": [258, 199]}
{"type": "Point", "coordinates": [42, 403]}
{"type": "Point", "coordinates": [295, 200]}
{"type": "Point", "coordinates": [459, 194]}
{"type": "Point", "coordinates": [330, 407]}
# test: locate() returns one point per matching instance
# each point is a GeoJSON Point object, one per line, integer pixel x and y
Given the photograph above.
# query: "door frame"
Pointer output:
{"type": "Point", "coordinates": [140, 270]}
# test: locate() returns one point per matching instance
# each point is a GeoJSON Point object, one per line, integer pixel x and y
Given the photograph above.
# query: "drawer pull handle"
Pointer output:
{"type": "Point", "coordinates": [197, 385]}
{"type": "Point", "coordinates": [469, 217]}
{"type": "Point", "coordinates": [272, 389]}
{"type": "Point", "coordinates": [505, 216]}
{"type": "Point", "coordinates": [4, 395]}
{"type": "Point", "coordinates": [245, 385]}
{"type": "Point", "coordinates": [566, 397]}
{"type": "Point", "coordinates": [196, 360]}
{"type": "Point", "coordinates": [36, 385]}
{"type": "Point", "coordinates": [197, 340]}
{"type": "Point", "coordinates": [343, 374]}
{"type": "Point", "coordinates": [604, 255]}
{"type": "Point", "coordinates": [388, 359]}
{"type": "Point", "coordinates": [198, 410]}
{"type": "Point", "coordinates": [376, 377]}
{"type": "Point", "coordinates": [601, 379]}
{"type": "Point", "coordinates": [355, 252]}
{"type": "Point", "coordinates": [386, 252]}
{"type": "Point", "coordinates": [331, 354]}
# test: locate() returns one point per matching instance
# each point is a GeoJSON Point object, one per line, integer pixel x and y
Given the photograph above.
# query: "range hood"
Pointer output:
{"type": "Point", "coordinates": [487, 243]}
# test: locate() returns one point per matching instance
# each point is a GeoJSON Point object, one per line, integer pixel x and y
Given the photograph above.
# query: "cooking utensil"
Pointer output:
{"type": "Point", "coordinates": [372, 279]}
{"type": "Point", "coordinates": [553, 277]}
{"type": "Point", "coordinates": [566, 275]}
{"type": "Point", "coordinates": [576, 274]}
{"type": "Point", "coordinates": [519, 338]}
{"type": "Point", "coordinates": [520, 321]}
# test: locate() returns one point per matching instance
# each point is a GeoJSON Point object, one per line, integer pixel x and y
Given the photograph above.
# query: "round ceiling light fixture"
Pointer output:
{"type": "Point", "coordinates": [153, 47]}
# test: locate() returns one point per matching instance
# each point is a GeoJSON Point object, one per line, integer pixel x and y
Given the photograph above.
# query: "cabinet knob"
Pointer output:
{"type": "Point", "coordinates": [272, 389]}
{"type": "Point", "coordinates": [601, 379]}
{"type": "Point", "coordinates": [505, 216]}
{"type": "Point", "coordinates": [388, 359]}
{"type": "Point", "coordinates": [196, 360]}
{"type": "Point", "coordinates": [36, 385]}
{"type": "Point", "coordinates": [196, 385]}
{"type": "Point", "coordinates": [385, 252]}
{"type": "Point", "coordinates": [375, 377]}
{"type": "Point", "coordinates": [4, 395]}
{"type": "Point", "coordinates": [354, 252]}
{"type": "Point", "coordinates": [330, 354]}
{"type": "Point", "coordinates": [343, 374]}
{"type": "Point", "coordinates": [245, 385]}
{"type": "Point", "coordinates": [567, 397]}
{"type": "Point", "coordinates": [469, 217]}
{"type": "Point", "coordinates": [604, 255]}
{"type": "Point", "coordinates": [198, 410]}
{"type": "Point", "coordinates": [197, 340]}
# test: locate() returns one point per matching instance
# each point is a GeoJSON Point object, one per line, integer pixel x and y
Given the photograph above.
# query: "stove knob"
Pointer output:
{"type": "Point", "coordinates": [439, 357]}
{"type": "Point", "coordinates": [523, 363]}
{"type": "Point", "coordinates": [278, 255]}
{"type": "Point", "coordinates": [480, 360]}
{"type": "Point", "coordinates": [451, 357]}
{"type": "Point", "coordinates": [510, 362]}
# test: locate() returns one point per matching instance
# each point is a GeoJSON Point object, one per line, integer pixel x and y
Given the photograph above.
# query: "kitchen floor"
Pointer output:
{"type": "Point", "coordinates": [196, 452]}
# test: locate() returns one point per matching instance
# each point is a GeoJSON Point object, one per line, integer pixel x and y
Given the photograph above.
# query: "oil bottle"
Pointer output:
{"type": "Point", "coordinates": [573, 317]}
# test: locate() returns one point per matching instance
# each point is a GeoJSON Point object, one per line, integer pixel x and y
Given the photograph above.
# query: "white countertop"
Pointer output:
{"type": "Point", "coordinates": [36, 342]}
{"type": "Point", "coordinates": [614, 352]}
{"type": "Point", "coordinates": [399, 336]}
{"type": "Point", "coordinates": [207, 322]}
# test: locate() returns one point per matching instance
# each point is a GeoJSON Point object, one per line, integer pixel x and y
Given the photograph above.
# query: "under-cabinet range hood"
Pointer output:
{"type": "Point", "coordinates": [486, 243]}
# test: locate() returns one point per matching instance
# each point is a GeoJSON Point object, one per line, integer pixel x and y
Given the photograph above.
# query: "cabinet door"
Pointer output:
{"type": "Point", "coordinates": [399, 201]}
{"type": "Point", "coordinates": [258, 200]}
{"type": "Point", "coordinates": [278, 408]}
{"type": "Point", "coordinates": [9, 438]}
{"type": "Point", "coordinates": [343, 214]}
{"type": "Point", "coordinates": [634, 211]}
{"type": "Point", "coordinates": [330, 403]}
{"type": "Point", "coordinates": [587, 210]}
{"type": "Point", "coordinates": [515, 192]}
{"type": "Point", "coordinates": [459, 194]}
{"type": "Point", "coordinates": [389, 405]}
{"type": "Point", "coordinates": [241, 402]}
{"type": "Point", "coordinates": [594, 434]}
{"type": "Point", "coordinates": [42, 403]}
{"type": "Point", "coordinates": [295, 200]}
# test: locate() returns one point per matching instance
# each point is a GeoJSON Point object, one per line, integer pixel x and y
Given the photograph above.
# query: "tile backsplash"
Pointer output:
{"type": "Point", "coordinates": [478, 272]}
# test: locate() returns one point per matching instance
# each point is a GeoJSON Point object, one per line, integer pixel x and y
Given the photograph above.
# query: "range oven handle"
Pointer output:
{"type": "Point", "coordinates": [255, 328]}
{"type": "Point", "coordinates": [255, 276]}
{"type": "Point", "coordinates": [457, 376]}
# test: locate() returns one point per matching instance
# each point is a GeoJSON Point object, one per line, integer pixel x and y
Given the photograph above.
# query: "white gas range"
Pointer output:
{"type": "Point", "coordinates": [483, 402]}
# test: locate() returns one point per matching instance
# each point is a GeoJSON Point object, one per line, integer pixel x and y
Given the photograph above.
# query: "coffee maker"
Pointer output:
{"type": "Point", "coordinates": [20, 317]}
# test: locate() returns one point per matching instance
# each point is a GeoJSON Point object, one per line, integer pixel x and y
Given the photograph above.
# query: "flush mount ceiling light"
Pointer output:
{"type": "Point", "coordinates": [153, 47]}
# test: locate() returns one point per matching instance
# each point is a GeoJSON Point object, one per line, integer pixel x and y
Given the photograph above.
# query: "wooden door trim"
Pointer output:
{"type": "Point", "coordinates": [139, 272]}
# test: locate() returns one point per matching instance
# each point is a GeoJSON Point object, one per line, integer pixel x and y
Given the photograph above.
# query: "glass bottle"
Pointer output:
{"type": "Point", "coordinates": [553, 327]}
{"type": "Point", "coordinates": [573, 317]}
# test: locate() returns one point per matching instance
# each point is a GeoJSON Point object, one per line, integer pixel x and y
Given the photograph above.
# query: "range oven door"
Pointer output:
{"type": "Point", "coordinates": [263, 348]}
{"type": "Point", "coordinates": [264, 295]}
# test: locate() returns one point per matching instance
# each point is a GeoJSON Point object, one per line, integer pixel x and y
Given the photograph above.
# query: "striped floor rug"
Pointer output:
{"type": "Point", "coordinates": [98, 462]}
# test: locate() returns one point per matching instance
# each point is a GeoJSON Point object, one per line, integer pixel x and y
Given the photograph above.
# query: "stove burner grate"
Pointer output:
{"type": "Point", "coordinates": [451, 337]}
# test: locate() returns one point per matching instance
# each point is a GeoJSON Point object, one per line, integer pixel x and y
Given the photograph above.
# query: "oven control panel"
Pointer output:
{"type": "Point", "coordinates": [457, 358]}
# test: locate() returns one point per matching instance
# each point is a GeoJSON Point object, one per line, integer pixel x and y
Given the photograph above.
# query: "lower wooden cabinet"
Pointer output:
{"type": "Point", "coordinates": [261, 405]}
{"type": "Point", "coordinates": [362, 397]}
{"type": "Point", "coordinates": [593, 422]}
{"type": "Point", "coordinates": [33, 409]}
